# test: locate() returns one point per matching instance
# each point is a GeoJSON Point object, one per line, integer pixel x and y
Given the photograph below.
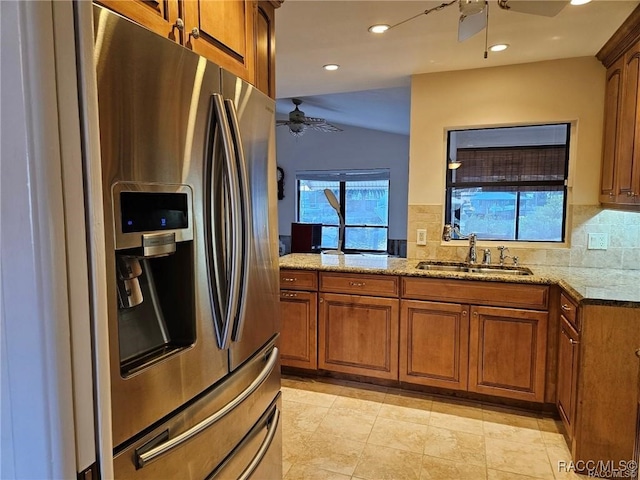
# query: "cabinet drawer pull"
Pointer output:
{"type": "Point", "coordinates": [565, 307]}
{"type": "Point", "coordinates": [573, 342]}
{"type": "Point", "coordinates": [288, 279]}
{"type": "Point", "coordinates": [357, 284]}
{"type": "Point", "coordinates": [287, 294]}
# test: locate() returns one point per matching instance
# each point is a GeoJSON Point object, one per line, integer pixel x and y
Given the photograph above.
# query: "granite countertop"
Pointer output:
{"type": "Point", "coordinates": [587, 286]}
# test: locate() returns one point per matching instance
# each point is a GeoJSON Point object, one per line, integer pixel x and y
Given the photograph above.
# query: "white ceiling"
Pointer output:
{"type": "Point", "coordinates": [371, 88]}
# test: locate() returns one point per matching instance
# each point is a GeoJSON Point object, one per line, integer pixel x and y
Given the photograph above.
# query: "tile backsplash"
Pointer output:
{"type": "Point", "coordinates": [622, 228]}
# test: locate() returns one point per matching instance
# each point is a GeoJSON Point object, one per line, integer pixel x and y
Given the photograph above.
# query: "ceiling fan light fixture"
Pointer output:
{"type": "Point", "coordinates": [331, 67]}
{"type": "Point", "coordinates": [580, 2]}
{"type": "Point", "coordinates": [471, 7]}
{"type": "Point", "coordinates": [380, 28]}
{"type": "Point", "coordinates": [499, 47]}
{"type": "Point", "coordinates": [296, 129]}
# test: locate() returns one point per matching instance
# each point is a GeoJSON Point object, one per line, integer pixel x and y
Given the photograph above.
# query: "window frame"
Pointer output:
{"type": "Point", "coordinates": [342, 179]}
{"type": "Point", "coordinates": [450, 185]}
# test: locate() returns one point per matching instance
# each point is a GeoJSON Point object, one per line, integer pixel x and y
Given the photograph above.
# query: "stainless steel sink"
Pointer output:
{"type": "Point", "coordinates": [466, 268]}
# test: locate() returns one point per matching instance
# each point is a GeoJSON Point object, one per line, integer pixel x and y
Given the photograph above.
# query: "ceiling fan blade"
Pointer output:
{"type": "Point", "coordinates": [546, 8]}
{"type": "Point", "coordinates": [470, 25]}
{"type": "Point", "coordinates": [325, 127]}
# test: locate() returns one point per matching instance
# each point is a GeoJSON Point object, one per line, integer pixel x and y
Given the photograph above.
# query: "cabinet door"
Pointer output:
{"type": "Point", "coordinates": [265, 49]}
{"type": "Point", "coordinates": [628, 167]}
{"type": "Point", "coordinates": [507, 352]}
{"type": "Point", "coordinates": [359, 335]}
{"type": "Point", "coordinates": [612, 105]}
{"type": "Point", "coordinates": [298, 336]}
{"type": "Point", "coordinates": [225, 29]}
{"type": "Point", "coordinates": [158, 16]}
{"type": "Point", "coordinates": [567, 373]}
{"type": "Point", "coordinates": [434, 344]}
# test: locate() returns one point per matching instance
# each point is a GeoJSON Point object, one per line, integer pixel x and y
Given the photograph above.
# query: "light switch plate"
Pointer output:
{"type": "Point", "coordinates": [597, 241]}
{"type": "Point", "coordinates": [422, 236]}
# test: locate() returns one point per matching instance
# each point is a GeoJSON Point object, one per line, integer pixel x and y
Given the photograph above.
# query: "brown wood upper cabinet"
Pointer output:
{"type": "Point", "coordinates": [265, 42]}
{"type": "Point", "coordinates": [159, 16]}
{"type": "Point", "coordinates": [620, 180]}
{"type": "Point", "coordinates": [225, 33]}
{"type": "Point", "coordinates": [238, 35]}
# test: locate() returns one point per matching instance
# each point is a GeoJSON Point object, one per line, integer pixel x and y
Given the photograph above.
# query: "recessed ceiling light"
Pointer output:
{"type": "Point", "coordinates": [331, 67]}
{"type": "Point", "coordinates": [378, 28]}
{"type": "Point", "coordinates": [579, 2]}
{"type": "Point", "coordinates": [499, 47]}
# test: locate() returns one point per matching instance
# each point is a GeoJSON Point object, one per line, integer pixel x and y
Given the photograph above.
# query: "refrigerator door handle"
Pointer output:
{"type": "Point", "coordinates": [264, 447]}
{"type": "Point", "coordinates": [232, 247]}
{"type": "Point", "coordinates": [245, 232]}
{"type": "Point", "coordinates": [143, 459]}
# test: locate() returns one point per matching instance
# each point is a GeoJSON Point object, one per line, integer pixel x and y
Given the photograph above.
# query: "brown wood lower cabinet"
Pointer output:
{"type": "Point", "coordinates": [358, 335]}
{"type": "Point", "coordinates": [298, 338]}
{"type": "Point", "coordinates": [507, 352]}
{"type": "Point", "coordinates": [434, 344]}
{"type": "Point", "coordinates": [567, 383]}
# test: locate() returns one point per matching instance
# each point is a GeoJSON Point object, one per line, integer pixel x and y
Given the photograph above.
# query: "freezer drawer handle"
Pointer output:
{"type": "Point", "coordinates": [143, 458]}
{"type": "Point", "coordinates": [262, 451]}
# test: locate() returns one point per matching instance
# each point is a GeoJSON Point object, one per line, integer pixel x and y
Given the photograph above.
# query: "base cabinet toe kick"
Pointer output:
{"type": "Point", "coordinates": [523, 344]}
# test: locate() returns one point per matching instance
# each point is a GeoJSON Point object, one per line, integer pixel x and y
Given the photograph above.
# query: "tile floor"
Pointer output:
{"type": "Point", "coordinates": [342, 430]}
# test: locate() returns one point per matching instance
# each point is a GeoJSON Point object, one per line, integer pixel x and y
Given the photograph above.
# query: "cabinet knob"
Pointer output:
{"type": "Point", "coordinates": [638, 353]}
{"type": "Point", "coordinates": [179, 24]}
{"type": "Point", "coordinates": [195, 33]}
{"type": "Point", "coordinates": [475, 314]}
{"type": "Point", "coordinates": [464, 312]}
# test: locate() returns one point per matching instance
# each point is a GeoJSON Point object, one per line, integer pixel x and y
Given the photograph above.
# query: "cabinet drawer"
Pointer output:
{"type": "Point", "coordinates": [516, 295]}
{"type": "Point", "coordinates": [569, 310]}
{"type": "Point", "coordinates": [298, 280]}
{"type": "Point", "coordinates": [374, 285]}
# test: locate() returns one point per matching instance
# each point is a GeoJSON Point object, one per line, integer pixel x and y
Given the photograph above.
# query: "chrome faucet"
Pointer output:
{"type": "Point", "coordinates": [448, 230]}
{"type": "Point", "coordinates": [503, 255]}
{"type": "Point", "coordinates": [486, 257]}
{"type": "Point", "coordinates": [472, 256]}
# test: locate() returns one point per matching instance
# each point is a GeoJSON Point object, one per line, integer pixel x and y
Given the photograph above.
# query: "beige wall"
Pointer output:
{"type": "Point", "coordinates": [567, 90]}
{"type": "Point", "coordinates": [554, 91]}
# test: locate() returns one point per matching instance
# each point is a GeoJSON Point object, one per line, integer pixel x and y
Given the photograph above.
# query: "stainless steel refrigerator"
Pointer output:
{"type": "Point", "coordinates": [188, 173]}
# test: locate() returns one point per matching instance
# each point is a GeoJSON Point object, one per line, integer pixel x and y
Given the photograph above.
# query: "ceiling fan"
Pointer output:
{"type": "Point", "coordinates": [298, 122]}
{"type": "Point", "coordinates": [474, 14]}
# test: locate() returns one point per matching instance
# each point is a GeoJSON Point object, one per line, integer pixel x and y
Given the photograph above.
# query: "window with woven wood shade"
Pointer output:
{"type": "Point", "coordinates": [511, 164]}
{"type": "Point", "coordinates": [507, 190]}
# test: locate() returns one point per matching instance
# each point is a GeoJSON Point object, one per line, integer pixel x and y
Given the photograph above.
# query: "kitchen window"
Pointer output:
{"type": "Point", "coordinates": [364, 205]}
{"type": "Point", "coordinates": [509, 183]}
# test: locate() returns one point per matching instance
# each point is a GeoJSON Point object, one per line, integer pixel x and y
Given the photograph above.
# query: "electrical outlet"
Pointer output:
{"type": "Point", "coordinates": [422, 236]}
{"type": "Point", "coordinates": [597, 241]}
